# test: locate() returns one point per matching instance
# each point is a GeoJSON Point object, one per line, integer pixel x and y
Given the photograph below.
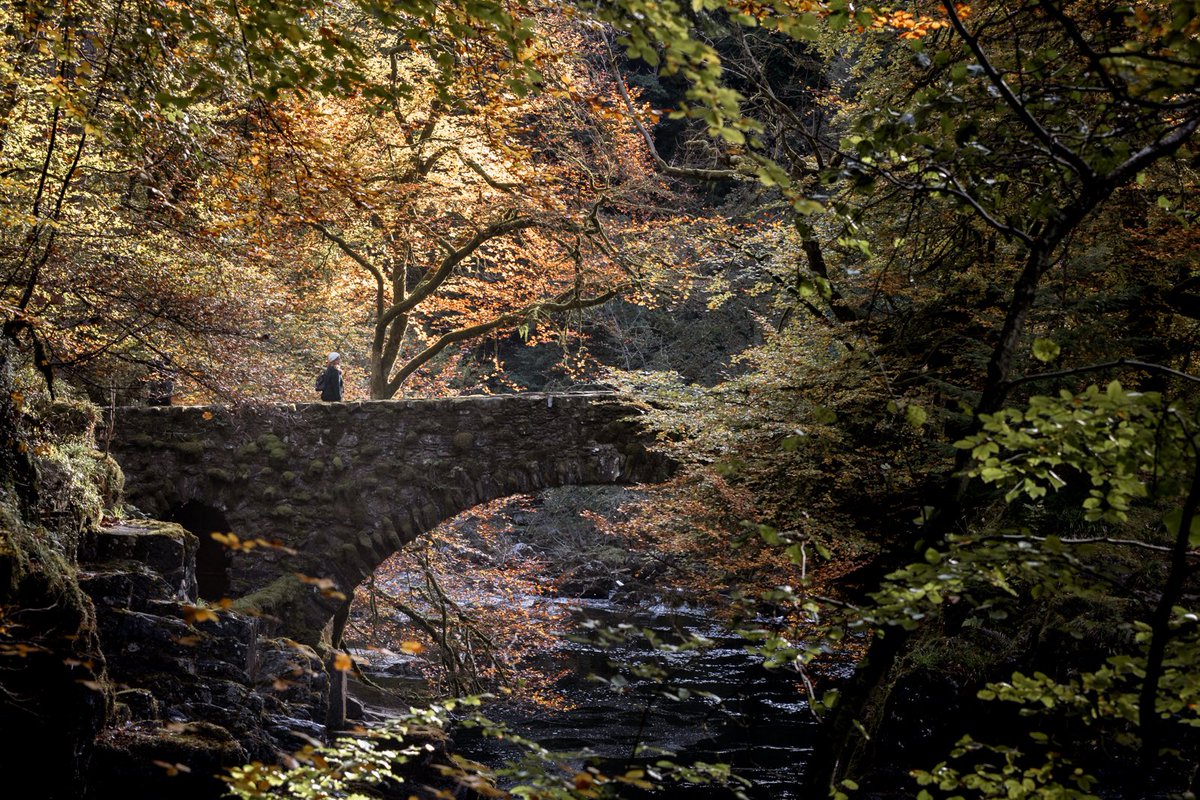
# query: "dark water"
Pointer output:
{"type": "Point", "coordinates": [756, 721]}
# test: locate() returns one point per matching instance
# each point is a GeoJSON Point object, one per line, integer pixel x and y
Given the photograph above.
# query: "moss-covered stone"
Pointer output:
{"type": "Point", "coordinates": [269, 441]}
{"type": "Point", "coordinates": [56, 698]}
{"type": "Point", "coordinates": [288, 476]}
{"type": "Point", "coordinates": [76, 485]}
{"type": "Point", "coordinates": [71, 419]}
{"type": "Point", "coordinates": [190, 447]}
{"type": "Point", "coordinates": [247, 450]}
{"type": "Point", "coordinates": [284, 592]}
{"type": "Point", "coordinates": [368, 450]}
{"type": "Point", "coordinates": [463, 441]}
{"type": "Point", "coordinates": [338, 463]}
{"type": "Point", "coordinates": [219, 475]}
{"type": "Point", "coordinates": [275, 448]}
{"type": "Point", "coordinates": [316, 466]}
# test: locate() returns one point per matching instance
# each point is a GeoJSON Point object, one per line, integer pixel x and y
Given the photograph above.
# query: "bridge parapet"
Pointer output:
{"type": "Point", "coordinates": [344, 485]}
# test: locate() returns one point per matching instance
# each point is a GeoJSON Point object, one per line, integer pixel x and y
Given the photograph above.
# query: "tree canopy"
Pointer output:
{"type": "Point", "coordinates": [964, 440]}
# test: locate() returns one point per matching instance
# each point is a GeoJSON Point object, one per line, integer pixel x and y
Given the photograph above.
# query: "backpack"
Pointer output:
{"type": "Point", "coordinates": [321, 381]}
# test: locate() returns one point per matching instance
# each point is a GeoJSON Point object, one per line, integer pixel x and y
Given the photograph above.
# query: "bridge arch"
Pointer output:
{"type": "Point", "coordinates": [328, 491]}
{"type": "Point", "coordinates": [212, 558]}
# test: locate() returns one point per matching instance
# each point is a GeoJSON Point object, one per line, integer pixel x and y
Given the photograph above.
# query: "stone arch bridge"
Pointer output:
{"type": "Point", "coordinates": [345, 485]}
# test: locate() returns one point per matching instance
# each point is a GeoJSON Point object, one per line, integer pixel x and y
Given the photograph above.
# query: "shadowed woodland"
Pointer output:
{"type": "Point", "coordinates": [909, 297]}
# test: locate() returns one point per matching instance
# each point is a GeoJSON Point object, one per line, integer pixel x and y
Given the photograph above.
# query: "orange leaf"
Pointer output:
{"type": "Point", "coordinates": [194, 614]}
{"type": "Point", "coordinates": [172, 769]}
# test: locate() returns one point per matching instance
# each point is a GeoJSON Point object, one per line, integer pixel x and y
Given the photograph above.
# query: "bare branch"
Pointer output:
{"type": "Point", "coordinates": [455, 256]}
{"type": "Point", "coordinates": [561, 303]}
{"type": "Point", "coordinates": [678, 172]}
{"type": "Point", "coordinates": [1059, 151]}
{"type": "Point", "coordinates": [357, 257]}
{"type": "Point", "coordinates": [1120, 362]}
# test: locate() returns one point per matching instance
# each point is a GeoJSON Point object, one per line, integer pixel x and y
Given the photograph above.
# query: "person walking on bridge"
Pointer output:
{"type": "Point", "coordinates": [330, 383]}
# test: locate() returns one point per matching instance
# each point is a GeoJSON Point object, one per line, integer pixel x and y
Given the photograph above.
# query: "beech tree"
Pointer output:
{"type": "Point", "coordinates": [455, 210]}
{"type": "Point", "coordinates": [111, 114]}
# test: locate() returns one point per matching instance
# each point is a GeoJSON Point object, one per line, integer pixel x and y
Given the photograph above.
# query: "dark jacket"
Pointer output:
{"type": "Point", "coordinates": [332, 387]}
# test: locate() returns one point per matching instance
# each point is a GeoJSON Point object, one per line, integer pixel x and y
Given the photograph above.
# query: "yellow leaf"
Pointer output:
{"type": "Point", "coordinates": [194, 614]}
{"type": "Point", "coordinates": [172, 769]}
{"type": "Point", "coordinates": [342, 662]}
{"type": "Point", "coordinates": [227, 539]}
{"type": "Point", "coordinates": [412, 647]}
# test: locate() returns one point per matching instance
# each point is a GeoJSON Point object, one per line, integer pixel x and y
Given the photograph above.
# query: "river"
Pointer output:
{"type": "Point", "coordinates": [716, 704]}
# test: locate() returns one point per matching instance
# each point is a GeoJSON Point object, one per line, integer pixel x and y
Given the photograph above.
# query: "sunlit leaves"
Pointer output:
{"type": "Point", "coordinates": [234, 542]}
{"type": "Point", "coordinates": [1126, 443]}
{"type": "Point", "coordinates": [198, 614]}
{"type": "Point", "coordinates": [1005, 771]}
{"type": "Point", "coordinates": [326, 586]}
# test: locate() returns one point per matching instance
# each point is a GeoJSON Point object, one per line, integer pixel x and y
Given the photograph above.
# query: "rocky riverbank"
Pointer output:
{"type": "Point", "coordinates": [114, 675]}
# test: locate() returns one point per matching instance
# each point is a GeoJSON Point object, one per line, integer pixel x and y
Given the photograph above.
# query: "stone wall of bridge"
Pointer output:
{"type": "Point", "coordinates": [342, 486]}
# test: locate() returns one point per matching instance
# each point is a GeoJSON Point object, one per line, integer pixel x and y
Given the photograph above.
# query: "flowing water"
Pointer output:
{"type": "Point", "coordinates": [734, 711]}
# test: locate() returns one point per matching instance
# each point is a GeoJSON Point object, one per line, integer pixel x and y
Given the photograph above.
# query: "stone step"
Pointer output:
{"type": "Point", "coordinates": [129, 585]}
{"type": "Point", "coordinates": [163, 547]}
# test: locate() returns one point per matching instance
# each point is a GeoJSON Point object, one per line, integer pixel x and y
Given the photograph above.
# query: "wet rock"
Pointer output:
{"type": "Point", "coordinates": [131, 586]}
{"type": "Point", "coordinates": [137, 642]}
{"type": "Point", "coordinates": [291, 734]}
{"type": "Point", "coordinates": [354, 709]}
{"type": "Point", "coordinates": [151, 761]}
{"type": "Point", "coordinates": [202, 692]}
{"type": "Point", "coordinates": [136, 705]}
{"type": "Point", "coordinates": [163, 547]}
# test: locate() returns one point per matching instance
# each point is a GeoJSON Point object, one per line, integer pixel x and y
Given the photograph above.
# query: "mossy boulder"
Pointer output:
{"type": "Point", "coordinates": [76, 485]}
{"type": "Point", "coordinates": [128, 756]}
{"type": "Point", "coordinates": [56, 692]}
{"type": "Point", "coordinates": [69, 419]}
{"type": "Point", "coordinates": [219, 475]}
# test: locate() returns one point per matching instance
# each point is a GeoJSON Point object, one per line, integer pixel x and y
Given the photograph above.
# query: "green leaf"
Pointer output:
{"type": "Point", "coordinates": [769, 535]}
{"type": "Point", "coordinates": [1045, 350]}
{"type": "Point", "coordinates": [733, 135]}
{"type": "Point", "coordinates": [915, 415]}
{"type": "Point", "coordinates": [1174, 518]}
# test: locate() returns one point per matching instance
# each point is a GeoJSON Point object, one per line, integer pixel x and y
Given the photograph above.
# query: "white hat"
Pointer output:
{"type": "Point", "coordinates": [334, 356]}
